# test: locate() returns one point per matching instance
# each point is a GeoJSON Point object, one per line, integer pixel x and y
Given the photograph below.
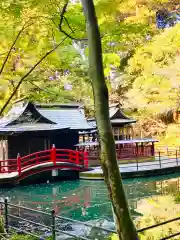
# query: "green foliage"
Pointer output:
{"type": "Point", "coordinates": [153, 90]}
{"type": "Point", "coordinates": [171, 137]}
{"type": "Point", "coordinates": [2, 230]}
{"type": "Point", "coordinates": [33, 43]}
{"type": "Point", "coordinates": [23, 237]}
{"type": "Point", "coordinates": [38, 38]}
{"type": "Point", "coordinates": [153, 73]}
{"type": "Point", "coordinates": [154, 214]}
{"type": "Point", "coordinates": [161, 51]}
{"type": "Point", "coordinates": [177, 198]}
{"type": "Point", "coordinates": [124, 27]}
{"type": "Point", "coordinates": [28, 237]}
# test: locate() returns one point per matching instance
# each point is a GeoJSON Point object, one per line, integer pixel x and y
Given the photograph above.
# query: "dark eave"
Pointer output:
{"type": "Point", "coordinates": [88, 132]}
{"type": "Point", "coordinates": [20, 128]}
{"type": "Point", "coordinates": [58, 105]}
{"type": "Point", "coordinates": [117, 113]}
{"type": "Point", "coordinates": [122, 121]}
{"type": "Point", "coordinates": [116, 116]}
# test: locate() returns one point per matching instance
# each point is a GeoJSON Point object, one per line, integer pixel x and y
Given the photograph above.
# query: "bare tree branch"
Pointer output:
{"type": "Point", "coordinates": [26, 25]}
{"type": "Point", "coordinates": [63, 13]}
{"type": "Point", "coordinates": [61, 21]}
{"type": "Point", "coordinates": [41, 89]}
{"type": "Point", "coordinates": [68, 24]}
{"type": "Point", "coordinates": [12, 46]}
{"type": "Point", "coordinates": [62, 17]}
{"type": "Point", "coordinates": [27, 74]}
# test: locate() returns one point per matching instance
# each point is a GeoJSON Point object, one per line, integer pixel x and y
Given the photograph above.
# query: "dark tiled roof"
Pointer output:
{"type": "Point", "coordinates": [31, 117]}
{"type": "Point", "coordinates": [71, 114]}
{"type": "Point", "coordinates": [74, 118]}
{"type": "Point", "coordinates": [116, 113]}
{"type": "Point", "coordinates": [116, 116]}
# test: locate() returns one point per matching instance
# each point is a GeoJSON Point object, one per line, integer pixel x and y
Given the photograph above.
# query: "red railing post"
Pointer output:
{"type": "Point", "coordinates": [70, 157]}
{"type": "Point", "coordinates": [77, 158]}
{"type": "Point", "coordinates": [53, 154]}
{"type": "Point", "coordinates": [1, 166]}
{"type": "Point", "coordinates": [19, 164]}
{"type": "Point", "coordinates": [86, 159]}
{"type": "Point", "coordinates": [37, 161]}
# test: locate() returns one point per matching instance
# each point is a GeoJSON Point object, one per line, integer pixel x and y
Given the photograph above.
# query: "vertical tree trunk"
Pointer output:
{"type": "Point", "coordinates": [125, 227]}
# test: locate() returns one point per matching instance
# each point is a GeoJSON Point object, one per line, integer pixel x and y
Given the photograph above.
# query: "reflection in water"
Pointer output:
{"type": "Point", "coordinates": [88, 200]}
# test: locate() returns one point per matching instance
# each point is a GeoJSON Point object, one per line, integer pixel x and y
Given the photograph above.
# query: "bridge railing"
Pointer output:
{"type": "Point", "coordinates": [33, 159]}
{"type": "Point", "coordinates": [52, 156]}
{"type": "Point", "coordinates": [53, 225]}
{"type": "Point", "coordinates": [8, 166]}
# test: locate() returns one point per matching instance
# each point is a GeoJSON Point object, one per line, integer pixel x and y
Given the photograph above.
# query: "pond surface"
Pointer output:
{"type": "Point", "coordinates": [88, 200]}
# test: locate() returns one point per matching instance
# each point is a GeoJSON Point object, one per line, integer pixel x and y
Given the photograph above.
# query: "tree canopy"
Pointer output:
{"type": "Point", "coordinates": [140, 61]}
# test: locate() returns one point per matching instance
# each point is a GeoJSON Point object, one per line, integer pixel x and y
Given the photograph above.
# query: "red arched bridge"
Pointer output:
{"type": "Point", "coordinates": [43, 161]}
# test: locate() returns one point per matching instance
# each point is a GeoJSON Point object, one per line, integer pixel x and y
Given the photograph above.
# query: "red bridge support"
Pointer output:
{"type": "Point", "coordinates": [53, 154]}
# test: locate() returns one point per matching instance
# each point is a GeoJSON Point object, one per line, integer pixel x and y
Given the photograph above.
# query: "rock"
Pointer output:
{"type": "Point", "coordinates": [108, 225]}
{"type": "Point", "coordinates": [66, 227]}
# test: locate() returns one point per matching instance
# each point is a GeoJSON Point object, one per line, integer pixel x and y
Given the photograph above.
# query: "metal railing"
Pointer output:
{"type": "Point", "coordinates": [161, 224]}
{"type": "Point", "coordinates": [159, 162]}
{"type": "Point", "coordinates": [54, 228]}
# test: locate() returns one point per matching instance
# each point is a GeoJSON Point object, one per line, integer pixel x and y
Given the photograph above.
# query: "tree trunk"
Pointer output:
{"type": "Point", "coordinates": [125, 227]}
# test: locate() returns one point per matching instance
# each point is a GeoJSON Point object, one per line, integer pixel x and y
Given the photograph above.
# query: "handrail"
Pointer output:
{"type": "Point", "coordinates": [54, 227]}
{"type": "Point", "coordinates": [34, 154]}
{"type": "Point", "coordinates": [52, 155]}
{"type": "Point", "coordinates": [158, 160]}
{"type": "Point", "coordinates": [159, 224]}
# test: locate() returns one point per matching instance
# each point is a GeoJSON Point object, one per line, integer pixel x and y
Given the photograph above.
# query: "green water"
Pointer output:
{"type": "Point", "coordinates": [88, 200]}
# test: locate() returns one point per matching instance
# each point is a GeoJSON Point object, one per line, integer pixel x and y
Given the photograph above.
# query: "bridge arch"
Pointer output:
{"type": "Point", "coordinates": [41, 161]}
